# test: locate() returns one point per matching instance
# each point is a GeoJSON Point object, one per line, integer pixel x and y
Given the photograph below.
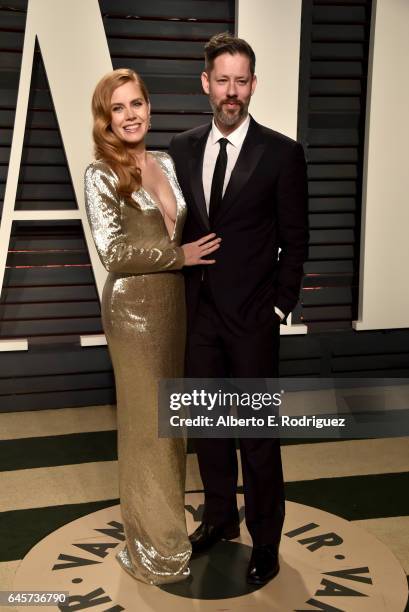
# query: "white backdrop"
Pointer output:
{"type": "Point", "coordinates": [273, 28]}
{"type": "Point", "coordinates": [384, 271]}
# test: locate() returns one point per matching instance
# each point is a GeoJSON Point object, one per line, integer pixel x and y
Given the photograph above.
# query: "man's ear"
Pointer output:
{"type": "Point", "coordinates": [253, 84]}
{"type": "Point", "coordinates": [205, 82]}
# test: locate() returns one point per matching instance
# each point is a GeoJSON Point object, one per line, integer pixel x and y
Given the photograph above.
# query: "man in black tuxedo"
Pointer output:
{"type": "Point", "coordinates": [247, 184]}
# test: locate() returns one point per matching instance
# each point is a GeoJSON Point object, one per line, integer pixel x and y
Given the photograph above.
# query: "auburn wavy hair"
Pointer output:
{"type": "Point", "coordinates": [107, 146]}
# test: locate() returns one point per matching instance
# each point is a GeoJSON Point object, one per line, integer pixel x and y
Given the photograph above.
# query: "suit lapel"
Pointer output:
{"type": "Point", "coordinates": [196, 169]}
{"type": "Point", "coordinates": [250, 154]}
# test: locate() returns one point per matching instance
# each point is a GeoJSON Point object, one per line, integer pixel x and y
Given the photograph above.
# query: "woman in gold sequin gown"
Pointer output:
{"type": "Point", "coordinates": [136, 220]}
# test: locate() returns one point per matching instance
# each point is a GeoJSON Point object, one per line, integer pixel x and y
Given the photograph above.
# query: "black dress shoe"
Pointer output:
{"type": "Point", "coordinates": [206, 535]}
{"type": "Point", "coordinates": [263, 565]}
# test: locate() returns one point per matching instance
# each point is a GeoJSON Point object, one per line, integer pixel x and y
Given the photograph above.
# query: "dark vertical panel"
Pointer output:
{"type": "Point", "coordinates": [163, 41]}
{"type": "Point", "coordinates": [12, 26]}
{"type": "Point", "coordinates": [333, 72]}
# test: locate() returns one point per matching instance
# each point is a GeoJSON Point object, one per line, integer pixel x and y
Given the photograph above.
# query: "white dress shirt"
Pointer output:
{"type": "Point", "coordinates": [235, 142]}
{"type": "Point", "coordinates": [211, 152]}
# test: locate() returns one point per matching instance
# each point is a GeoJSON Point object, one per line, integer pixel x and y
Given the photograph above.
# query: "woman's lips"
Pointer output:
{"type": "Point", "coordinates": [132, 128]}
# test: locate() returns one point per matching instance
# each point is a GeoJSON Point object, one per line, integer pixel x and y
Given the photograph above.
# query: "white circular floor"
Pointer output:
{"type": "Point", "coordinates": [326, 563]}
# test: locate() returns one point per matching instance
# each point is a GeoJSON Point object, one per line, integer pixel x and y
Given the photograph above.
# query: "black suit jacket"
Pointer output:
{"type": "Point", "coordinates": [264, 209]}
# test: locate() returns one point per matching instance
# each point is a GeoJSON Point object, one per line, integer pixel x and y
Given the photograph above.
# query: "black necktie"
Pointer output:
{"type": "Point", "coordinates": [216, 193]}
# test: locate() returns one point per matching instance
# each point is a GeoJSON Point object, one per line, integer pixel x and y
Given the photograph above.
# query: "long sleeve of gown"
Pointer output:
{"type": "Point", "coordinates": [118, 251]}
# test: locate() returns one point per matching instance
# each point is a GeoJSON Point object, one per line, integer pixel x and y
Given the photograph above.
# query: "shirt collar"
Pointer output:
{"type": "Point", "coordinates": [236, 138]}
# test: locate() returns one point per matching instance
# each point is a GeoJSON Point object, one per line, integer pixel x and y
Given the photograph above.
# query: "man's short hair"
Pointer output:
{"type": "Point", "coordinates": [227, 43]}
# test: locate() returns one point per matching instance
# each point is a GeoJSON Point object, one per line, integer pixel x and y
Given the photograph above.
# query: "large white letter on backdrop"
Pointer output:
{"type": "Point", "coordinates": [273, 28]}
{"type": "Point", "coordinates": [75, 52]}
{"type": "Point", "coordinates": [384, 278]}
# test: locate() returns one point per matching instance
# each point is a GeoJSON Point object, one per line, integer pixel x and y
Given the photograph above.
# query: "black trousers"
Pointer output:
{"type": "Point", "coordinates": [214, 352]}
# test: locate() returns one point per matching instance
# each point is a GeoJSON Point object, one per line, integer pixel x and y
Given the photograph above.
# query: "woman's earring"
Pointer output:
{"type": "Point", "coordinates": [150, 124]}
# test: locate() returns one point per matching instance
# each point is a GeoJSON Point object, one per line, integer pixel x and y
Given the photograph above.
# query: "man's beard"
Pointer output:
{"type": "Point", "coordinates": [229, 119]}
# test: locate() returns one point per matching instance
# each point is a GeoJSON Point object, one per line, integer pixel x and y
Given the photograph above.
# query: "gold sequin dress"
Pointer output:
{"type": "Point", "coordinates": [143, 315]}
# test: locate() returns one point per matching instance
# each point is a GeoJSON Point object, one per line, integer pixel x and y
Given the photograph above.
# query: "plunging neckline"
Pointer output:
{"type": "Point", "coordinates": [155, 202]}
